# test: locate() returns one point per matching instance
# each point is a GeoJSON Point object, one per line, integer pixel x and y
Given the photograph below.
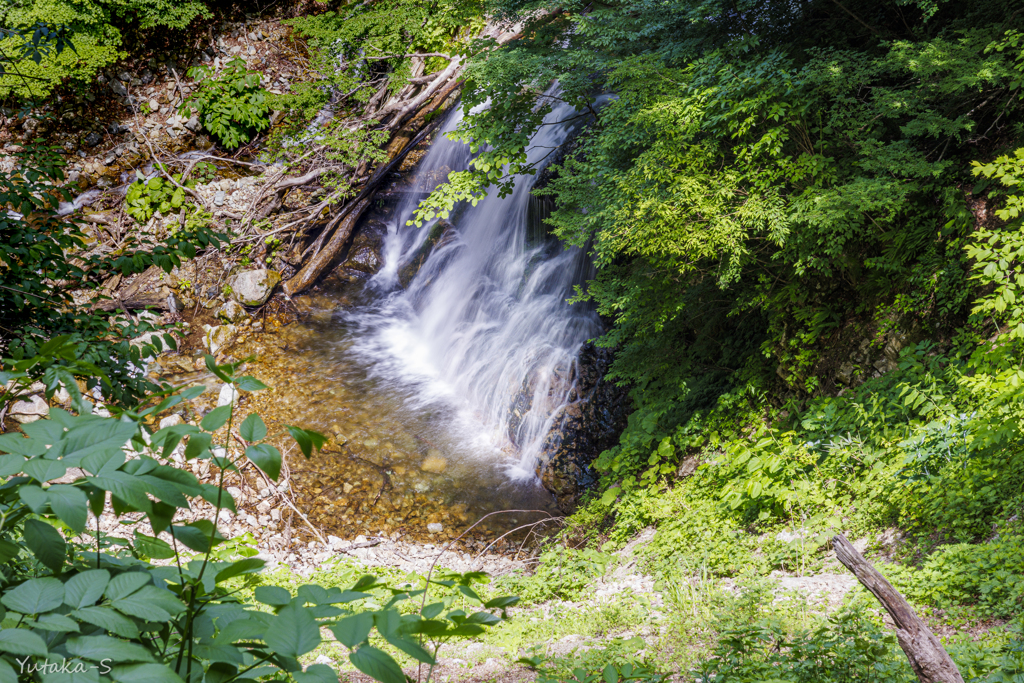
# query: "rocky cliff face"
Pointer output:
{"type": "Point", "coordinates": [590, 422]}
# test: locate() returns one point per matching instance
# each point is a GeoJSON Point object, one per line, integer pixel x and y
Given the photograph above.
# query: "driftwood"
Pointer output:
{"type": "Point", "coordinates": [157, 300]}
{"type": "Point", "coordinates": [346, 220]}
{"type": "Point", "coordinates": [928, 658]}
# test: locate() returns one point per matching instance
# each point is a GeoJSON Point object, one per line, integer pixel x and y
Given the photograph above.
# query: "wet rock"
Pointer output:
{"type": "Point", "coordinates": [590, 423]}
{"type": "Point", "coordinates": [365, 256]}
{"type": "Point", "coordinates": [216, 338]}
{"type": "Point", "coordinates": [31, 409]}
{"type": "Point", "coordinates": [232, 312]}
{"type": "Point", "coordinates": [434, 528]}
{"type": "Point", "coordinates": [441, 233]}
{"type": "Point", "coordinates": [253, 287]}
{"type": "Point", "coordinates": [434, 463]}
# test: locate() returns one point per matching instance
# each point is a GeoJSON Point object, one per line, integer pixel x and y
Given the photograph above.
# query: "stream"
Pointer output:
{"type": "Point", "coordinates": [439, 394]}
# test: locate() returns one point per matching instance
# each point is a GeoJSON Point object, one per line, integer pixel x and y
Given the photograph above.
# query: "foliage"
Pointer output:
{"type": "Point", "coordinates": [47, 259]}
{"type": "Point", "coordinates": [562, 573]}
{"type": "Point", "coordinates": [171, 622]}
{"type": "Point", "coordinates": [98, 28]}
{"type": "Point", "coordinates": [156, 195]}
{"type": "Point", "coordinates": [231, 105]}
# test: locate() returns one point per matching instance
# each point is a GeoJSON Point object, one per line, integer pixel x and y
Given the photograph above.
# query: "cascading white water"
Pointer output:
{"type": "Point", "coordinates": [486, 318]}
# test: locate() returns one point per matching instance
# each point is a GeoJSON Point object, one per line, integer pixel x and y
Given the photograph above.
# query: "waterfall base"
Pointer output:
{"type": "Point", "coordinates": [588, 424]}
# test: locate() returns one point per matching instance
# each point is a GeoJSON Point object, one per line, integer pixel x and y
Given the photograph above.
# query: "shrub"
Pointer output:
{"type": "Point", "coordinates": [232, 106]}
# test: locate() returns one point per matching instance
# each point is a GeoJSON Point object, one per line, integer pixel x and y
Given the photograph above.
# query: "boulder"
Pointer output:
{"type": "Point", "coordinates": [216, 338]}
{"type": "Point", "coordinates": [591, 421]}
{"type": "Point", "coordinates": [31, 409]}
{"type": "Point", "coordinates": [232, 312]}
{"type": "Point", "coordinates": [254, 287]}
{"type": "Point", "coordinates": [441, 234]}
{"type": "Point", "coordinates": [365, 256]}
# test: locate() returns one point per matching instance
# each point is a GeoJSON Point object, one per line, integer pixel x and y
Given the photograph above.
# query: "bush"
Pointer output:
{"type": "Point", "coordinates": [232, 106]}
{"type": "Point", "coordinates": [122, 615]}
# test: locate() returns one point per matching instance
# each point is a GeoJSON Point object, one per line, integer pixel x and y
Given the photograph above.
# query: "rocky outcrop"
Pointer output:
{"type": "Point", "coordinates": [366, 255]}
{"type": "Point", "coordinates": [441, 234]}
{"type": "Point", "coordinates": [590, 422]}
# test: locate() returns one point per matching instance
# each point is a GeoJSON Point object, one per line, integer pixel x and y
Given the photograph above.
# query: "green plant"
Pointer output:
{"type": "Point", "coordinates": [122, 614]}
{"type": "Point", "coordinates": [156, 195]}
{"type": "Point", "coordinates": [231, 105]}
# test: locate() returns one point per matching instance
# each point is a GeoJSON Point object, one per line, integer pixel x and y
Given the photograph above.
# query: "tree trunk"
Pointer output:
{"type": "Point", "coordinates": [928, 658]}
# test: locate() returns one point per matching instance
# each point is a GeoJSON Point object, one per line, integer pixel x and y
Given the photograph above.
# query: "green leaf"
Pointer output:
{"type": "Point", "coordinates": [46, 544]}
{"type": "Point", "coordinates": [7, 674]}
{"type": "Point", "coordinates": [216, 418]}
{"type": "Point", "coordinates": [502, 602]}
{"type": "Point", "coordinates": [123, 585]}
{"type": "Point", "coordinates": [152, 547]}
{"type": "Point", "coordinates": [19, 641]}
{"type": "Point", "coordinates": [70, 504]}
{"type": "Point", "coordinates": [411, 648]}
{"type": "Point", "coordinates": [35, 596]}
{"type": "Point", "coordinates": [246, 566]}
{"type": "Point", "coordinates": [197, 535]}
{"type": "Point", "coordinates": [99, 648]}
{"type": "Point", "coordinates": [57, 623]}
{"type": "Point", "coordinates": [307, 439]}
{"type": "Point", "coordinates": [85, 588]}
{"type": "Point", "coordinates": [316, 673]}
{"type": "Point", "coordinates": [108, 620]}
{"type": "Point", "coordinates": [274, 596]}
{"type": "Point", "coordinates": [253, 428]}
{"type": "Point", "coordinates": [44, 470]}
{"type": "Point", "coordinates": [353, 630]}
{"type": "Point", "coordinates": [144, 673]}
{"type": "Point", "coordinates": [293, 632]}
{"type": "Point", "coordinates": [267, 458]}
{"type": "Point", "coordinates": [249, 384]}
{"type": "Point", "coordinates": [377, 664]}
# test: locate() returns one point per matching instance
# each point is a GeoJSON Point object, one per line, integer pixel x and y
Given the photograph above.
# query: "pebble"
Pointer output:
{"type": "Point", "coordinates": [228, 395]}
{"type": "Point", "coordinates": [435, 528]}
{"type": "Point", "coordinates": [218, 199]}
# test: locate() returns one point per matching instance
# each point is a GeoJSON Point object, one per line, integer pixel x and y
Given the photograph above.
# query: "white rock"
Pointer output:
{"type": "Point", "coordinates": [324, 659]}
{"type": "Point", "coordinates": [334, 541]}
{"type": "Point", "coordinates": [233, 312]}
{"type": "Point", "coordinates": [218, 337]}
{"type": "Point", "coordinates": [170, 421]}
{"type": "Point", "coordinates": [228, 395]}
{"type": "Point", "coordinates": [434, 528]}
{"type": "Point", "coordinates": [30, 410]}
{"type": "Point", "coordinates": [253, 287]}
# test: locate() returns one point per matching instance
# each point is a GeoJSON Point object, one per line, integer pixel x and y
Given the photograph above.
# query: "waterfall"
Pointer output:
{"type": "Point", "coordinates": [485, 322]}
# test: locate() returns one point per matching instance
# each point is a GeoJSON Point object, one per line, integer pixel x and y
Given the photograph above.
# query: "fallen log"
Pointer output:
{"type": "Point", "coordinates": [157, 300]}
{"type": "Point", "coordinates": [346, 220]}
{"type": "Point", "coordinates": [928, 658]}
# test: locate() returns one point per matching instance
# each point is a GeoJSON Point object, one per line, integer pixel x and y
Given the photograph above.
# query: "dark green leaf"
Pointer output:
{"type": "Point", "coordinates": [108, 620]}
{"type": "Point", "coordinates": [19, 641]}
{"type": "Point", "coordinates": [46, 544]}
{"type": "Point", "coordinates": [123, 585]}
{"type": "Point", "coordinates": [249, 384]}
{"type": "Point", "coordinates": [246, 566]}
{"type": "Point", "coordinates": [353, 630]}
{"type": "Point", "coordinates": [253, 428]}
{"type": "Point", "coordinates": [144, 673]}
{"type": "Point", "coordinates": [316, 673]}
{"type": "Point", "coordinates": [35, 596]}
{"type": "Point", "coordinates": [377, 664]}
{"type": "Point", "coordinates": [85, 588]}
{"type": "Point", "coordinates": [267, 458]}
{"type": "Point", "coordinates": [272, 595]}
{"type": "Point", "coordinates": [307, 439]}
{"type": "Point", "coordinates": [152, 547]}
{"type": "Point", "coordinates": [70, 504]}
{"type": "Point", "coordinates": [216, 418]}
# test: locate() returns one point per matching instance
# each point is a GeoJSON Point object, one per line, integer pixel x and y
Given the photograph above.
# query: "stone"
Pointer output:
{"type": "Point", "coordinates": [334, 541]}
{"type": "Point", "coordinates": [347, 487]}
{"type": "Point", "coordinates": [193, 124]}
{"type": "Point", "coordinates": [365, 256]}
{"type": "Point", "coordinates": [228, 396]}
{"type": "Point", "coordinates": [154, 104]}
{"type": "Point", "coordinates": [171, 421]}
{"type": "Point", "coordinates": [218, 337]}
{"type": "Point", "coordinates": [254, 287]}
{"type": "Point", "coordinates": [232, 312]}
{"type": "Point", "coordinates": [590, 422]}
{"type": "Point", "coordinates": [118, 88]}
{"type": "Point", "coordinates": [434, 528]}
{"type": "Point", "coordinates": [441, 234]}
{"type": "Point", "coordinates": [219, 197]}
{"type": "Point", "coordinates": [434, 463]}
{"type": "Point", "coordinates": [31, 409]}
{"type": "Point", "coordinates": [92, 139]}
